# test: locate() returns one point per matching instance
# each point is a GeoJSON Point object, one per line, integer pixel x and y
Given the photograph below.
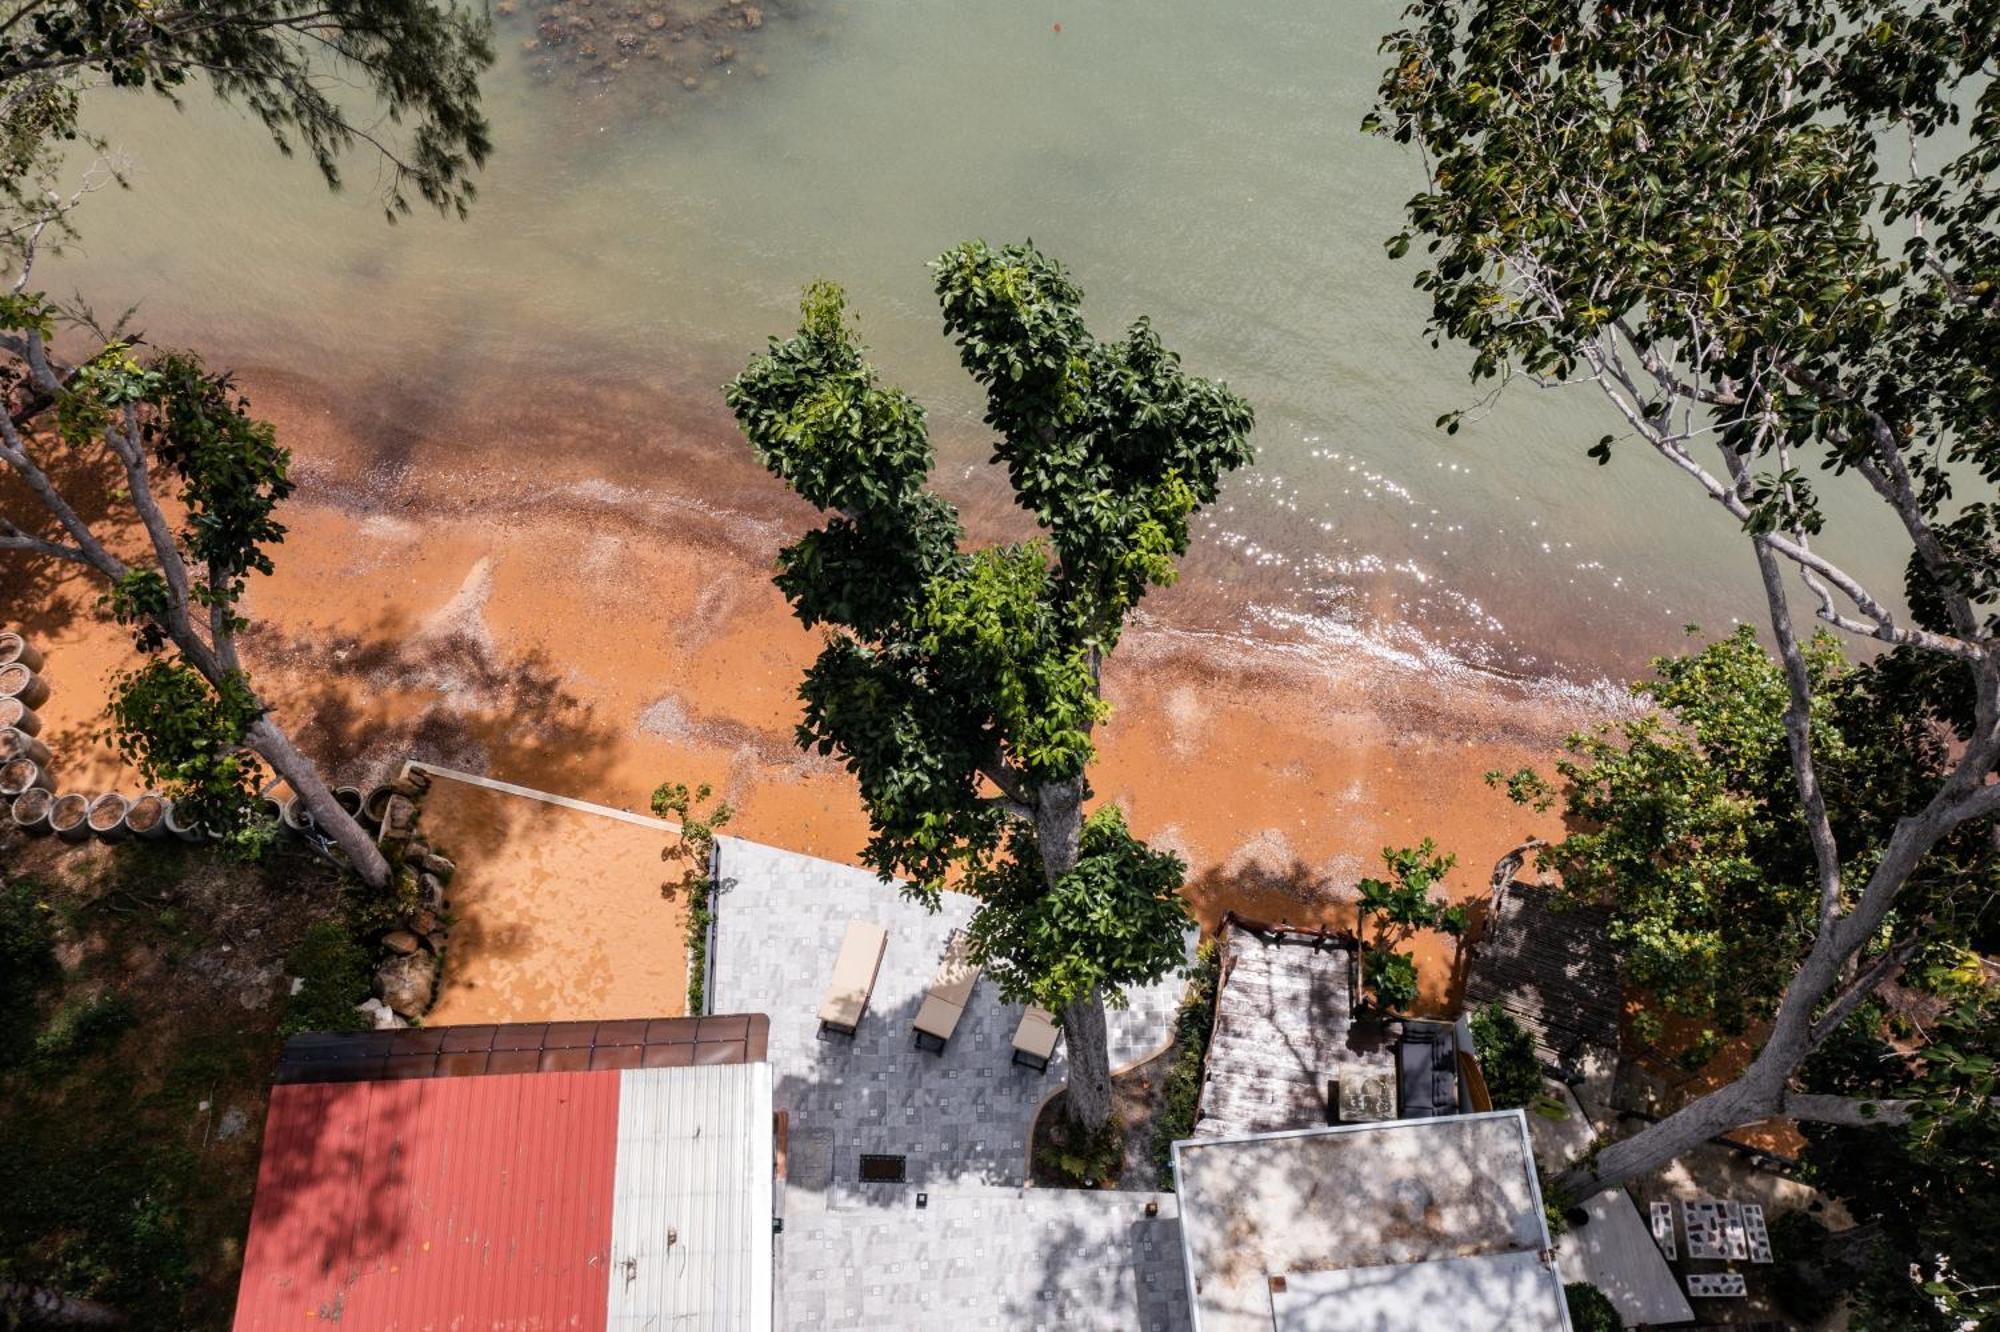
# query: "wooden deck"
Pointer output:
{"type": "Point", "coordinates": [1553, 968]}
{"type": "Point", "coordinates": [1284, 1031]}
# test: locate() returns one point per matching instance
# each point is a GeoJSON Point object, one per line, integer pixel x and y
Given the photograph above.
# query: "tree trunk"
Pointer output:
{"type": "Point", "coordinates": [1727, 1107]}
{"type": "Point", "coordinates": [1089, 1044]}
{"type": "Point", "coordinates": [1059, 837]}
{"type": "Point", "coordinates": [303, 777]}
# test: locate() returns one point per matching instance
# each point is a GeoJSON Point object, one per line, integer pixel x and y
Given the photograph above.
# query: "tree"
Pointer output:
{"type": "Point", "coordinates": [961, 687]}
{"type": "Point", "coordinates": [110, 425]}
{"type": "Point", "coordinates": [1746, 224]}
{"type": "Point", "coordinates": [1400, 906]}
{"type": "Point", "coordinates": [283, 61]}
{"type": "Point", "coordinates": [1691, 207]}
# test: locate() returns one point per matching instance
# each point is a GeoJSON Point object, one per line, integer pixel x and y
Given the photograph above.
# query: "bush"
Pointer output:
{"type": "Point", "coordinates": [335, 970]}
{"type": "Point", "coordinates": [1800, 1281]}
{"type": "Point", "coordinates": [1507, 1057]}
{"type": "Point", "coordinates": [81, 1025]}
{"type": "Point", "coordinates": [1391, 977]}
{"type": "Point", "coordinates": [1590, 1309]}
{"type": "Point", "coordinates": [1181, 1096]}
{"type": "Point", "coordinates": [26, 964]}
{"type": "Point", "coordinates": [1084, 1157]}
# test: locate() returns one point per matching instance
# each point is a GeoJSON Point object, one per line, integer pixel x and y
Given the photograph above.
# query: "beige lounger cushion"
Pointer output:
{"type": "Point", "coordinates": [1037, 1033]}
{"type": "Point", "coordinates": [854, 974]}
{"type": "Point", "coordinates": [950, 991]}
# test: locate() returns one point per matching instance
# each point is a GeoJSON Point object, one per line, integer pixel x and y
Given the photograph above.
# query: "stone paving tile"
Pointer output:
{"type": "Point", "coordinates": [986, 1258]}
{"type": "Point", "coordinates": [962, 1116]}
{"type": "Point", "coordinates": [985, 1253]}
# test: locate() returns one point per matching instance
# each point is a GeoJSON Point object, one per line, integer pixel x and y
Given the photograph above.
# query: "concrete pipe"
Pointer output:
{"type": "Point", "coordinates": [376, 803]}
{"type": "Point", "coordinates": [107, 816]}
{"type": "Point", "coordinates": [30, 810]}
{"type": "Point", "coordinates": [15, 713]}
{"type": "Point", "coordinates": [15, 648]}
{"type": "Point", "coordinates": [70, 817]}
{"type": "Point", "coordinates": [17, 680]}
{"type": "Point", "coordinates": [185, 829]}
{"type": "Point", "coordinates": [17, 743]}
{"type": "Point", "coordinates": [348, 798]}
{"type": "Point", "coordinates": [147, 817]}
{"type": "Point", "coordinates": [296, 816]}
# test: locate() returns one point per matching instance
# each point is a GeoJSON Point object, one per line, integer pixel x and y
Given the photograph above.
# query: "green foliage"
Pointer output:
{"type": "Point", "coordinates": [1922, 1188]}
{"type": "Point", "coordinates": [1687, 821]}
{"type": "Point", "coordinates": [1801, 1279]}
{"type": "Point", "coordinates": [334, 968]}
{"type": "Point", "coordinates": [694, 848]}
{"type": "Point", "coordinates": [1403, 901]}
{"type": "Point", "coordinates": [186, 737]}
{"type": "Point", "coordinates": [26, 962]}
{"type": "Point", "coordinates": [1116, 920]}
{"type": "Point", "coordinates": [1507, 1057]}
{"type": "Point", "coordinates": [287, 64]}
{"type": "Point", "coordinates": [949, 673]}
{"type": "Point", "coordinates": [1590, 1309]}
{"type": "Point", "coordinates": [1391, 977]}
{"type": "Point", "coordinates": [81, 1026]}
{"type": "Point", "coordinates": [1180, 1095]}
{"type": "Point", "coordinates": [1084, 1157]}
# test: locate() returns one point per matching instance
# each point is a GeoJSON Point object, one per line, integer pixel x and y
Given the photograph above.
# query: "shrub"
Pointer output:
{"type": "Point", "coordinates": [1590, 1309]}
{"type": "Point", "coordinates": [1800, 1280]}
{"type": "Point", "coordinates": [26, 964]}
{"type": "Point", "coordinates": [699, 817]}
{"type": "Point", "coordinates": [1507, 1057]}
{"type": "Point", "coordinates": [1082, 1156]}
{"type": "Point", "coordinates": [1181, 1096]}
{"type": "Point", "coordinates": [334, 969]}
{"type": "Point", "coordinates": [1391, 977]}
{"type": "Point", "coordinates": [81, 1025]}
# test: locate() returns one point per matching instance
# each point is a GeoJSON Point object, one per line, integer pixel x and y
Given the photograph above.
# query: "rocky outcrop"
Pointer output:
{"type": "Point", "coordinates": [407, 984]}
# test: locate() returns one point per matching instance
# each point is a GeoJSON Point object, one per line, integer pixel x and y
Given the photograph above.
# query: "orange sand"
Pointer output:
{"type": "Point", "coordinates": [557, 915]}
{"type": "Point", "coordinates": [591, 617]}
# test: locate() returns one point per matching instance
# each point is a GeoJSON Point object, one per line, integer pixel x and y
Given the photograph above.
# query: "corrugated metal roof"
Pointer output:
{"type": "Point", "coordinates": [514, 1201]}
{"type": "Point", "coordinates": [687, 1236]}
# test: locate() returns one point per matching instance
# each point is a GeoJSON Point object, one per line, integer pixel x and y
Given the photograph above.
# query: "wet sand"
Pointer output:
{"type": "Point", "coordinates": [591, 616]}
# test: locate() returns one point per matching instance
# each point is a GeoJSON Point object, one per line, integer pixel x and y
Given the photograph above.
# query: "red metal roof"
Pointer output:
{"type": "Point", "coordinates": [463, 1203]}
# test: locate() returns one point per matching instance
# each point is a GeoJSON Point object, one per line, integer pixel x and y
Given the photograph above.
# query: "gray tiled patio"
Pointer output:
{"type": "Point", "coordinates": [985, 1252]}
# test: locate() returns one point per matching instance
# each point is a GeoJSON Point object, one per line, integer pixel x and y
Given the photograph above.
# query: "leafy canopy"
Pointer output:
{"type": "Point", "coordinates": [283, 61]}
{"type": "Point", "coordinates": [950, 674]}
{"type": "Point", "coordinates": [943, 662]}
{"type": "Point", "coordinates": [1686, 820]}
{"type": "Point", "coordinates": [186, 738]}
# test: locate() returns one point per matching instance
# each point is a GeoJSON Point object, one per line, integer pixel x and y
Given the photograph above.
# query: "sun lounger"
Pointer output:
{"type": "Point", "coordinates": [853, 980]}
{"type": "Point", "coordinates": [950, 991]}
{"type": "Point", "coordinates": [1035, 1038]}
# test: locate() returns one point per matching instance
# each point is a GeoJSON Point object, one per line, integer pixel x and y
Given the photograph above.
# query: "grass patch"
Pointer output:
{"type": "Point", "coordinates": [1181, 1095]}
{"type": "Point", "coordinates": [120, 1063]}
{"type": "Point", "coordinates": [332, 967]}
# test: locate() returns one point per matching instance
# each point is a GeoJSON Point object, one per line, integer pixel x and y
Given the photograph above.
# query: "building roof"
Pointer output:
{"type": "Point", "coordinates": [1551, 964]}
{"type": "Point", "coordinates": [415, 1196]}
{"type": "Point", "coordinates": [1283, 1031]}
{"type": "Point", "coordinates": [1268, 1216]}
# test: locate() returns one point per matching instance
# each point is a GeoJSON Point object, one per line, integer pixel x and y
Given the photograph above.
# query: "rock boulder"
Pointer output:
{"type": "Point", "coordinates": [407, 983]}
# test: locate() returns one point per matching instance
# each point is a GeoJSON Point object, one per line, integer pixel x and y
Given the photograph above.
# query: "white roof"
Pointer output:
{"type": "Point", "coordinates": [1495, 1292]}
{"type": "Point", "coordinates": [1384, 1199]}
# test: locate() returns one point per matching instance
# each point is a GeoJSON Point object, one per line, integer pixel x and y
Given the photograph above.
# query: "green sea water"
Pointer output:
{"type": "Point", "coordinates": [1198, 162]}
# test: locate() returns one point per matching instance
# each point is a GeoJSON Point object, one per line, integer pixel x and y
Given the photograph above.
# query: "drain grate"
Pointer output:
{"type": "Point", "coordinates": [882, 1169]}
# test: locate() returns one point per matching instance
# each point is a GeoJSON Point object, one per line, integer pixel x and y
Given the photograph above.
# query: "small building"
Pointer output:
{"type": "Point", "coordinates": [1417, 1225]}
{"type": "Point", "coordinates": [576, 1175]}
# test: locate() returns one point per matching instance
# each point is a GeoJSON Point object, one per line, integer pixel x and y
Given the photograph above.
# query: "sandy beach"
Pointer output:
{"type": "Point", "coordinates": [592, 616]}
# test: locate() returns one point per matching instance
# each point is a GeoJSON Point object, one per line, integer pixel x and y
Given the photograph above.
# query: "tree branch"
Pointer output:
{"type": "Point", "coordinates": [1853, 1111]}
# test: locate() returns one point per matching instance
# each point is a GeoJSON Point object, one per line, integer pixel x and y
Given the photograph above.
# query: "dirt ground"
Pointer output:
{"type": "Point", "coordinates": [557, 914]}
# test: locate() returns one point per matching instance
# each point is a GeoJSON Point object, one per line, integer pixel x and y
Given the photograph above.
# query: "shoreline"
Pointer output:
{"type": "Point", "coordinates": [569, 622]}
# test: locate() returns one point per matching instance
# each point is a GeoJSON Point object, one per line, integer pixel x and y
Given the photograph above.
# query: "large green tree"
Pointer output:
{"type": "Point", "coordinates": [1766, 232]}
{"type": "Point", "coordinates": [961, 686]}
